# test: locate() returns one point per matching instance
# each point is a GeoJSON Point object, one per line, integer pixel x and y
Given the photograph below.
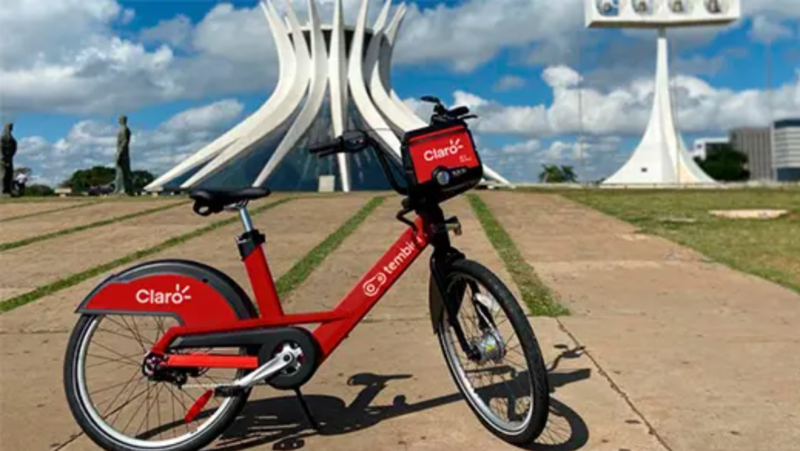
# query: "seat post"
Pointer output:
{"type": "Point", "coordinates": [244, 216]}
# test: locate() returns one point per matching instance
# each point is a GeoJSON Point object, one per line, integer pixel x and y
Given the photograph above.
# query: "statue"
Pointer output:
{"type": "Point", "coordinates": [122, 182]}
{"type": "Point", "coordinates": [8, 148]}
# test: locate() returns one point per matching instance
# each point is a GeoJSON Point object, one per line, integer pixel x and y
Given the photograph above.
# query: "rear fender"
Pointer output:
{"type": "Point", "coordinates": [193, 293]}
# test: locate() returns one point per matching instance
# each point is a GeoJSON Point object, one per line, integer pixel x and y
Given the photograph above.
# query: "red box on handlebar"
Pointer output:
{"type": "Point", "coordinates": [440, 161]}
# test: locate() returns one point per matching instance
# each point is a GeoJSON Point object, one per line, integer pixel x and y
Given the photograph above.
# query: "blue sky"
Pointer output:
{"type": "Point", "coordinates": [185, 71]}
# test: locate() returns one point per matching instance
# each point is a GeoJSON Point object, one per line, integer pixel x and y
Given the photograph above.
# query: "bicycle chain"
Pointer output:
{"type": "Point", "coordinates": [216, 385]}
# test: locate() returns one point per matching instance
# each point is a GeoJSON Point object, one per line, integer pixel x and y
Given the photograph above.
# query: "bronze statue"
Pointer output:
{"type": "Point", "coordinates": [8, 148]}
{"type": "Point", "coordinates": [122, 182]}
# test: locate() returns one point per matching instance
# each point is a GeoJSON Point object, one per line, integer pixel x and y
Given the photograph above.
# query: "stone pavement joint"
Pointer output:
{"type": "Point", "coordinates": [614, 386]}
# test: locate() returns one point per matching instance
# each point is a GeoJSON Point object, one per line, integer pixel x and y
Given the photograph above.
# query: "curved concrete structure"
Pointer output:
{"type": "Point", "coordinates": [331, 79]}
{"type": "Point", "coordinates": [661, 158]}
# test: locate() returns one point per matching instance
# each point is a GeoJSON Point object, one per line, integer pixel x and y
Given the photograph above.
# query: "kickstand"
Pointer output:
{"type": "Point", "coordinates": [307, 410]}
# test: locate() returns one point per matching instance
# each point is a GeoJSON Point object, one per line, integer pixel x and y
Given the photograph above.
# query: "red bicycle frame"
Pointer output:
{"type": "Point", "coordinates": [334, 325]}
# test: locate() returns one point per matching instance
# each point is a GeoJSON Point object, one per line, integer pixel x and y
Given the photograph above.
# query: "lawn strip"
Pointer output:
{"type": "Point", "coordinates": [78, 204]}
{"type": "Point", "coordinates": [303, 268]}
{"type": "Point", "coordinates": [71, 230]}
{"type": "Point", "coordinates": [769, 249]}
{"type": "Point", "coordinates": [77, 278]}
{"type": "Point", "coordinates": [541, 301]}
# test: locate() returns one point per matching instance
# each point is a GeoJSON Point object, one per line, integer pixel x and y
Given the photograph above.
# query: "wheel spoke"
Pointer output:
{"type": "Point", "coordinates": [119, 400]}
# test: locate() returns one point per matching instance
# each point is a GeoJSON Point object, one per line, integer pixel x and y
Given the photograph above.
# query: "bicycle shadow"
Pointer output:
{"type": "Point", "coordinates": [281, 421]}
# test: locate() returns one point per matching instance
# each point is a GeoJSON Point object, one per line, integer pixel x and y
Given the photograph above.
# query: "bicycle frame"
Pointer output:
{"type": "Point", "coordinates": [335, 325]}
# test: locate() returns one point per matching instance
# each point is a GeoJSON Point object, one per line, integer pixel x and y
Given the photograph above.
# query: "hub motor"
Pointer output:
{"type": "Point", "coordinates": [490, 347]}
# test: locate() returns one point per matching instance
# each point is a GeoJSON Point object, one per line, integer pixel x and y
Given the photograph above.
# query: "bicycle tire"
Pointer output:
{"type": "Point", "coordinates": [98, 434]}
{"type": "Point", "coordinates": [536, 421]}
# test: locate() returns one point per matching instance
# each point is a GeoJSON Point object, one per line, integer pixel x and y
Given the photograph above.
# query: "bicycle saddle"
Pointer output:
{"type": "Point", "coordinates": [207, 202]}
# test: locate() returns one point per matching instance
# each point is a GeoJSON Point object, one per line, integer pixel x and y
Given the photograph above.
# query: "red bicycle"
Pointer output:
{"type": "Point", "coordinates": [165, 354]}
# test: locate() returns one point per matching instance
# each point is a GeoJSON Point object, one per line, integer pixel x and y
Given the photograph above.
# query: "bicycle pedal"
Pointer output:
{"type": "Point", "coordinates": [228, 391]}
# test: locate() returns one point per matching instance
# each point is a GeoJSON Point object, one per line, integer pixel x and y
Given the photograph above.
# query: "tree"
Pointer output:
{"type": "Point", "coordinates": [82, 179]}
{"type": "Point", "coordinates": [38, 190]}
{"type": "Point", "coordinates": [725, 164]}
{"type": "Point", "coordinates": [140, 179]}
{"type": "Point", "coordinates": [557, 174]}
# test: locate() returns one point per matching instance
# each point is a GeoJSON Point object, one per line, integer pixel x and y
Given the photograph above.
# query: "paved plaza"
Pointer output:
{"type": "Point", "coordinates": [663, 349]}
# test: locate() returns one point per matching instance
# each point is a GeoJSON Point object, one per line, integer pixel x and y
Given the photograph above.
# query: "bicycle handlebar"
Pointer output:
{"type": "Point", "coordinates": [362, 140]}
{"type": "Point", "coordinates": [326, 148]}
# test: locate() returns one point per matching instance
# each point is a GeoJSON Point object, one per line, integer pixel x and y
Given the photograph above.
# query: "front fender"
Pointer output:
{"type": "Point", "coordinates": [441, 260]}
{"type": "Point", "coordinates": [193, 293]}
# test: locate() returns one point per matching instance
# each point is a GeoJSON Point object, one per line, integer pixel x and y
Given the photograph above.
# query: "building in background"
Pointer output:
{"type": "Point", "coordinates": [756, 144]}
{"type": "Point", "coordinates": [787, 150]}
{"type": "Point", "coordinates": [333, 78]}
{"type": "Point", "coordinates": [705, 146]}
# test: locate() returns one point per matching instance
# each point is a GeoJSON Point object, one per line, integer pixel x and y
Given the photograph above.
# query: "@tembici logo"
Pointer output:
{"type": "Point", "coordinates": [177, 297]}
{"type": "Point", "coordinates": [373, 286]}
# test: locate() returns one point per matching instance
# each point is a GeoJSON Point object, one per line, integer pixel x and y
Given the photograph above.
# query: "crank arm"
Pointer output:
{"type": "Point", "coordinates": [286, 357]}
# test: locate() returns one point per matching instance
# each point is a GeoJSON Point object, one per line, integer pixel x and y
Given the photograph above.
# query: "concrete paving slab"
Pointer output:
{"type": "Point", "coordinates": [34, 411]}
{"type": "Point", "coordinates": [339, 273]}
{"type": "Point", "coordinates": [47, 261]}
{"type": "Point", "coordinates": [286, 244]}
{"type": "Point", "coordinates": [708, 355]}
{"type": "Point", "coordinates": [14, 209]}
{"type": "Point", "coordinates": [26, 267]}
{"type": "Point", "coordinates": [60, 220]}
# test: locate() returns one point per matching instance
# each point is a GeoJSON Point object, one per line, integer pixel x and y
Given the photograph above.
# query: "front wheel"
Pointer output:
{"type": "Point", "coordinates": [493, 355]}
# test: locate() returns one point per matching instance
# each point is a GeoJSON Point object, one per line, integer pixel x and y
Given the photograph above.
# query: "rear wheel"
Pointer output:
{"type": "Point", "coordinates": [501, 374]}
{"type": "Point", "coordinates": [122, 409]}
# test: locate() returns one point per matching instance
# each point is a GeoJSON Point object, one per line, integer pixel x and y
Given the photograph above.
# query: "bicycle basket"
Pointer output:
{"type": "Point", "coordinates": [440, 161]}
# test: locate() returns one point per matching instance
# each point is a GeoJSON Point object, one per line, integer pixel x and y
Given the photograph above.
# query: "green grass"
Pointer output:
{"type": "Point", "coordinates": [541, 301]}
{"type": "Point", "coordinates": [77, 278]}
{"type": "Point", "coordinates": [302, 269]}
{"type": "Point", "coordinates": [71, 230]}
{"type": "Point", "coordinates": [767, 248]}
{"type": "Point", "coordinates": [44, 212]}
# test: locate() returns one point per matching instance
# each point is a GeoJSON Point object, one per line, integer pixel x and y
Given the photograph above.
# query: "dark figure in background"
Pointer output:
{"type": "Point", "coordinates": [8, 148]}
{"type": "Point", "coordinates": [122, 182]}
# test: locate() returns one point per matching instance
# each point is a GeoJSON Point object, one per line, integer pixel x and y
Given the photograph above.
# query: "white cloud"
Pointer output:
{"type": "Point", "coordinates": [66, 57]}
{"type": "Point", "coordinates": [768, 30]}
{"type": "Point", "coordinates": [509, 83]}
{"type": "Point", "coordinates": [522, 161]}
{"type": "Point", "coordinates": [91, 143]}
{"type": "Point", "coordinates": [469, 34]}
{"type": "Point", "coordinates": [175, 32]}
{"type": "Point", "coordinates": [625, 110]}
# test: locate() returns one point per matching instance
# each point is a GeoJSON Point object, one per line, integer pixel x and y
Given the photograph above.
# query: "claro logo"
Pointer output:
{"type": "Point", "coordinates": [437, 154]}
{"type": "Point", "coordinates": [176, 297]}
{"type": "Point", "coordinates": [373, 286]}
